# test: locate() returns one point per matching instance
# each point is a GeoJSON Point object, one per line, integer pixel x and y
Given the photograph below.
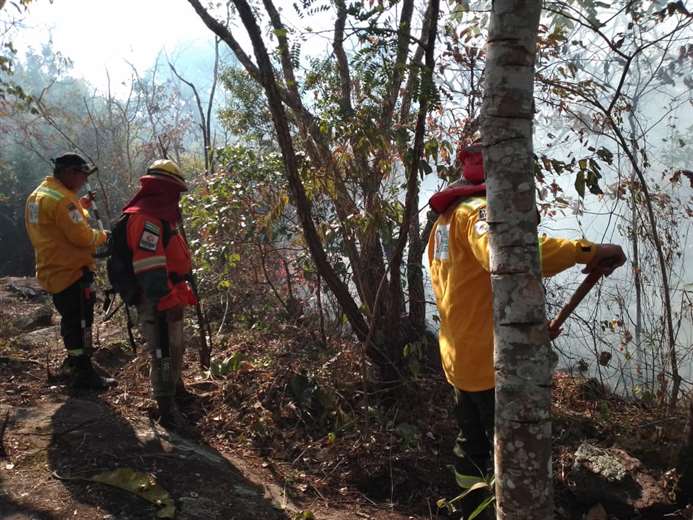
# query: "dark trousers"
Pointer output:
{"type": "Point", "coordinates": [71, 303]}
{"type": "Point", "coordinates": [474, 412]}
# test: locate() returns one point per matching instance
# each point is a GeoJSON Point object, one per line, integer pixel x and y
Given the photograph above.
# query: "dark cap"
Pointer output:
{"type": "Point", "coordinates": [73, 160]}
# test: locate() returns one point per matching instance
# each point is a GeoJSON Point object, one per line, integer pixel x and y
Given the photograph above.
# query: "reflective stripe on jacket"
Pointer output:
{"type": "Point", "coordinates": [63, 241]}
{"type": "Point", "coordinates": [458, 256]}
{"type": "Point", "coordinates": [150, 258]}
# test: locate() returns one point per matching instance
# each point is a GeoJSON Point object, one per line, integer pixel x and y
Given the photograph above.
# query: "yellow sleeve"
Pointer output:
{"type": "Point", "coordinates": [71, 221]}
{"type": "Point", "coordinates": [477, 236]}
{"type": "Point", "coordinates": [556, 254]}
{"type": "Point", "coordinates": [559, 254]}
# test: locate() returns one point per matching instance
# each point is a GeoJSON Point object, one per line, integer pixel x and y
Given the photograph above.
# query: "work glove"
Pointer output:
{"type": "Point", "coordinates": [85, 202]}
{"type": "Point", "coordinates": [607, 258]}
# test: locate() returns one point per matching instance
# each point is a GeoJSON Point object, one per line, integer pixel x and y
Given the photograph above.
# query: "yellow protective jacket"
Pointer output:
{"type": "Point", "coordinates": [458, 257]}
{"type": "Point", "coordinates": [63, 241]}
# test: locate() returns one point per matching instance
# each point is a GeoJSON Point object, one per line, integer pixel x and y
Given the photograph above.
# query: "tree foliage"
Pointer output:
{"type": "Point", "coordinates": [342, 125]}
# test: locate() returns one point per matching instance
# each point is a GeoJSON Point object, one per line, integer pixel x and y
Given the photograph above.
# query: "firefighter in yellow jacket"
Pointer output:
{"type": "Point", "coordinates": [458, 255]}
{"type": "Point", "coordinates": [64, 245]}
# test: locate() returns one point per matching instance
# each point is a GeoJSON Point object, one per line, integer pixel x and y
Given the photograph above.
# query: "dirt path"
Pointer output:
{"type": "Point", "coordinates": [54, 443]}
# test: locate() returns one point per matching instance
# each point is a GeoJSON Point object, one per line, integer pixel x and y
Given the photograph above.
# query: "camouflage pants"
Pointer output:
{"type": "Point", "coordinates": [163, 332]}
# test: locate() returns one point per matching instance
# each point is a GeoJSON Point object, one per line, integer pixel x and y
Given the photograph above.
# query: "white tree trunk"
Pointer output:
{"type": "Point", "coordinates": [523, 367]}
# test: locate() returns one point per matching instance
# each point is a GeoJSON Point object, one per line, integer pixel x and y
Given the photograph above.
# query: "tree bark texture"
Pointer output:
{"type": "Point", "coordinates": [415, 284]}
{"type": "Point", "coordinates": [523, 368]}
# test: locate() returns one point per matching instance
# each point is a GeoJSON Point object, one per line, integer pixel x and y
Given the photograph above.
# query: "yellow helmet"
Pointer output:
{"type": "Point", "coordinates": [167, 170]}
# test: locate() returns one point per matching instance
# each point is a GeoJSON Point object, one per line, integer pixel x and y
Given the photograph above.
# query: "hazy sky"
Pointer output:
{"type": "Point", "coordinates": [100, 34]}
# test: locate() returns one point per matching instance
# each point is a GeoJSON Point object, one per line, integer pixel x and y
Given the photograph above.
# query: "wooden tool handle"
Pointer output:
{"type": "Point", "coordinates": [585, 287]}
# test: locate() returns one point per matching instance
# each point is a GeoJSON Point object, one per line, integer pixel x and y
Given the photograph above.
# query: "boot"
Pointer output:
{"type": "Point", "coordinates": [170, 416]}
{"type": "Point", "coordinates": [84, 377]}
{"type": "Point", "coordinates": [183, 395]}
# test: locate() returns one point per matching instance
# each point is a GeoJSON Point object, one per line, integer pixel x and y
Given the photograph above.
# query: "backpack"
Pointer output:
{"type": "Point", "coordinates": [119, 264]}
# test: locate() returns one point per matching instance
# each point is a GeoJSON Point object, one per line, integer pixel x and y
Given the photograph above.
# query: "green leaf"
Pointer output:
{"type": "Point", "coordinates": [580, 184]}
{"type": "Point", "coordinates": [304, 515]}
{"type": "Point", "coordinates": [462, 7]}
{"type": "Point", "coordinates": [482, 506]}
{"type": "Point", "coordinates": [594, 166]}
{"type": "Point", "coordinates": [469, 481]}
{"type": "Point", "coordinates": [431, 149]}
{"type": "Point", "coordinates": [140, 484]}
{"type": "Point", "coordinates": [592, 182]}
{"type": "Point", "coordinates": [546, 162]}
{"type": "Point", "coordinates": [558, 166]}
{"type": "Point", "coordinates": [223, 367]}
{"type": "Point", "coordinates": [425, 167]}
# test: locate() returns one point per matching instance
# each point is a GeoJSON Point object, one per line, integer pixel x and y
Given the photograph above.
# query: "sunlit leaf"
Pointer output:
{"type": "Point", "coordinates": [141, 484]}
{"type": "Point", "coordinates": [580, 184]}
{"type": "Point", "coordinates": [469, 481]}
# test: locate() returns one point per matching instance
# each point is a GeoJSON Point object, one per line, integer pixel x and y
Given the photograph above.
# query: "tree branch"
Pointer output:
{"type": "Point", "coordinates": [392, 90]}
{"type": "Point", "coordinates": [223, 32]}
{"type": "Point", "coordinates": [210, 102]}
{"type": "Point", "coordinates": [342, 63]}
{"type": "Point", "coordinates": [410, 205]}
{"type": "Point", "coordinates": [280, 33]}
{"type": "Point", "coordinates": [414, 69]}
{"type": "Point", "coordinates": [300, 199]}
{"type": "Point", "coordinates": [198, 101]}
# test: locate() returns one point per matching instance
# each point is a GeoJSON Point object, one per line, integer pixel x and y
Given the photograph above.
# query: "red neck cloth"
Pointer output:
{"type": "Point", "coordinates": [158, 198]}
{"type": "Point", "coordinates": [449, 196]}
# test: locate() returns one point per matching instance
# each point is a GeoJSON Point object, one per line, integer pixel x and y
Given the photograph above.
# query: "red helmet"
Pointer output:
{"type": "Point", "coordinates": [471, 160]}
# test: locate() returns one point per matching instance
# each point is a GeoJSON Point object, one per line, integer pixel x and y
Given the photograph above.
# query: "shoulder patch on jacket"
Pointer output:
{"type": "Point", "coordinates": [75, 213]}
{"type": "Point", "coordinates": [482, 215]}
{"type": "Point", "coordinates": [442, 239]}
{"type": "Point", "coordinates": [150, 237]}
{"type": "Point", "coordinates": [33, 212]}
{"type": "Point", "coordinates": [481, 228]}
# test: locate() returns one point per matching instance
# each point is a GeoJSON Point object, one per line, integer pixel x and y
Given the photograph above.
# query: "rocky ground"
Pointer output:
{"type": "Point", "coordinates": [278, 431]}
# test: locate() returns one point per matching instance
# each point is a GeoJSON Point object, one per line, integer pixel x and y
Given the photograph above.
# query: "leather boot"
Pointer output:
{"type": "Point", "coordinates": [170, 416]}
{"type": "Point", "coordinates": [183, 395]}
{"type": "Point", "coordinates": [84, 377]}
